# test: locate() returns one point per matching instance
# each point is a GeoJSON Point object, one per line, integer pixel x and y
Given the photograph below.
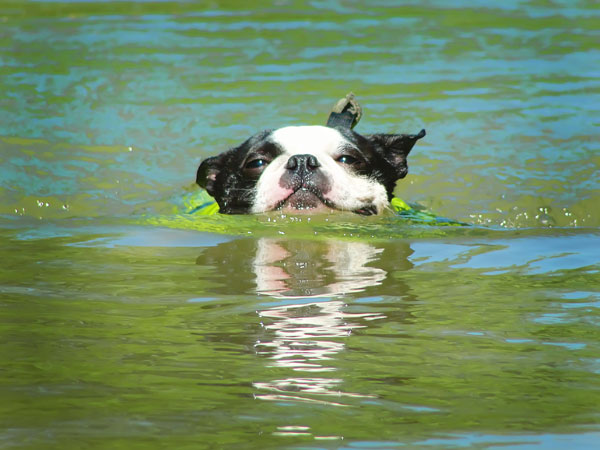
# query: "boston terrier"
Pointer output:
{"type": "Point", "coordinates": [309, 169]}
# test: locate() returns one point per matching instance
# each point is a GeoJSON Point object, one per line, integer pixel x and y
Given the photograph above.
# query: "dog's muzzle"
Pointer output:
{"type": "Point", "coordinates": [304, 177]}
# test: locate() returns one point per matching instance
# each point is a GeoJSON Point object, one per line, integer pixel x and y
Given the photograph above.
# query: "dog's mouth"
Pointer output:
{"type": "Point", "coordinates": [305, 199]}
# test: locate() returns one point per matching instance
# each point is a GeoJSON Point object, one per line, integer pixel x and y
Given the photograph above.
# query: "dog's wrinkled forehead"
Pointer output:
{"type": "Point", "coordinates": [315, 140]}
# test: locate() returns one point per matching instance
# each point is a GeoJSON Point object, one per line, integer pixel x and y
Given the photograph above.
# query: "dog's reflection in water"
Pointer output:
{"type": "Point", "coordinates": [306, 318]}
{"type": "Point", "coordinates": [308, 326]}
{"type": "Point", "coordinates": [290, 271]}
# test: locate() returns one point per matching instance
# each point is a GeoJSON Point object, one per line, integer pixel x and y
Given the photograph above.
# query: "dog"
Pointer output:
{"type": "Point", "coordinates": [309, 169]}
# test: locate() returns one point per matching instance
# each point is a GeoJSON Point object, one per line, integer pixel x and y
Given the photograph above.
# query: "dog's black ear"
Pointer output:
{"type": "Point", "coordinates": [207, 173]}
{"type": "Point", "coordinates": [395, 148]}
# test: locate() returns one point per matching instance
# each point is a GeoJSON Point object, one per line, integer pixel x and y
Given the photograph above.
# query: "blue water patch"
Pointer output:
{"type": "Point", "coordinates": [202, 299]}
{"type": "Point", "coordinates": [295, 301]}
{"type": "Point", "coordinates": [517, 442]}
{"type": "Point", "coordinates": [567, 345]}
{"type": "Point", "coordinates": [581, 305]}
{"type": "Point", "coordinates": [553, 318]}
{"type": "Point", "coordinates": [158, 237]}
{"type": "Point", "coordinates": [580, 295]}
{"type": "Point", "coordinates": [430, 252]}
{"type": "Point", "coordinates": [537, 255]}
{"type": "Point", "coordinates": [369, 299]}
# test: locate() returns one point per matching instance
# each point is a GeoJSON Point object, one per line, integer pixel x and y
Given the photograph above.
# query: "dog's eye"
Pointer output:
{"type": "Point", "coordinates": [347, 159]}
{"type": "Point", "coordinates": [256, 164]}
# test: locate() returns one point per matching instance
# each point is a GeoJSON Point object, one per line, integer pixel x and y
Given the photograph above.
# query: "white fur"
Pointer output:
{"type": "Point", "coordinates": [348, 192]}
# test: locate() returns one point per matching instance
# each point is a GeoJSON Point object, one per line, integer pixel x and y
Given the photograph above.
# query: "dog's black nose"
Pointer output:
{"type": "Point", "coordinates": [299, 163]}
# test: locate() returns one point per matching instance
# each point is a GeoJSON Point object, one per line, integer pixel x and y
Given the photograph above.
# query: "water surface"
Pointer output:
{"type": "Point", "coordinates": [127, 323]}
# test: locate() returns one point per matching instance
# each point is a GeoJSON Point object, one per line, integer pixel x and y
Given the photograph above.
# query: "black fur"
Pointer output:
{"type": "Point", "coordinates": [386, 154]}
{"type": "Point", "coordinates": [223, 178]}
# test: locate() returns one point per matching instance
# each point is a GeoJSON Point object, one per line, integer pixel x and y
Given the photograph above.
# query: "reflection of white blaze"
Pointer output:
{"type": "Point", "coordinates": [346, 260]}
{"type": "Point", "coordinates": [299, 345]}
{"type": "Point", "coordinates": [269, 277]}
{"type": "Point", "coordinates": [349, 260]}
{"type": "Point", "coordinates": [307, 334]}
{"type": "Point", "coordinates": [299, 332]}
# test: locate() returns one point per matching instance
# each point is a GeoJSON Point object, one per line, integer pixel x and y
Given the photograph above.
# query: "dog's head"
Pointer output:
{"type": "Point", "coordinates": [308, 168]}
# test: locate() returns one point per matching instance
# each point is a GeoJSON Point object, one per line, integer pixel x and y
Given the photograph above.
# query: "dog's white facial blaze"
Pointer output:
{"type": "Point", "coordinates": [348, 191]}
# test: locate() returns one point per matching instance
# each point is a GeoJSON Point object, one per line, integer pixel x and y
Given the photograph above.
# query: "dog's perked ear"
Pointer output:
{"type": "Point", "coordinates": [207, 173]}
{"type": "Point", "coordinates": [395, 148]}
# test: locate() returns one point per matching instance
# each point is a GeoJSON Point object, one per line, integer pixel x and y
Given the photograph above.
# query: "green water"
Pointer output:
{"type": "Point", "coordinates": [125, 323]}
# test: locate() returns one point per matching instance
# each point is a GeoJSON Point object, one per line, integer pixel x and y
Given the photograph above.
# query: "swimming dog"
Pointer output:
{"type": "Point", "coordinates": [309, 169]}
